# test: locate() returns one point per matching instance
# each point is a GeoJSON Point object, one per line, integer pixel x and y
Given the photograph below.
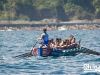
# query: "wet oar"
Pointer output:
{"type": "Point", "coordinates": [80, 41]}
{"type": "Point", "coordinates": [29, 54]}
{"type": "Point", "coordinates": [89, 51]}
{"type": "Point", "coordinates": [78, 45]}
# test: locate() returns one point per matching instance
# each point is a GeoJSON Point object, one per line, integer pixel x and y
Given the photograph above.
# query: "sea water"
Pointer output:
{"type": "Point", "coordinates": [14, 43]}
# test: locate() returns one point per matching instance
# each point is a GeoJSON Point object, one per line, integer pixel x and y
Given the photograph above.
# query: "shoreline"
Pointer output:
{"type": "Point", "coordinates": [64, 27]}
{"type": "Point", "coordinates": [50, 24]}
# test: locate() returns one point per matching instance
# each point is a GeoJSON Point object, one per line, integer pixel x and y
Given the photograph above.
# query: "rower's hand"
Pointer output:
{"type": "Point", "coordinates": [32, 49]}
{"type": "Point", "coordinates": [37, 39]}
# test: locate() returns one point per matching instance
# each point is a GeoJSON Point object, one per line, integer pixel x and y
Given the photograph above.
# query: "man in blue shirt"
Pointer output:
{"type": "Point", "coordinates": [44, 37]}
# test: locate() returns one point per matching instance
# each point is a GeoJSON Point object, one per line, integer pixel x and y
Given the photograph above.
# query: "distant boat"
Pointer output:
{"type": "Point", "coordinates": [9, 30]}
{"type": "Point", "coordinates": [62, 28]}
{"type": "Point", "coordinates": [84, 29]}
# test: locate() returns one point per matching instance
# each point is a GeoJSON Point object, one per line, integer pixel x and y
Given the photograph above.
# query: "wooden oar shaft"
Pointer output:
{"type": "Point", "coordinates": [35, 44]}
{"type": "Point", "coordinates": [29, 54]}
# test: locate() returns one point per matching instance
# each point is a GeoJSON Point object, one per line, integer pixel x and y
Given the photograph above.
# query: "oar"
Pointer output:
{"type": "Point", "coordinates": [89, 51]}
{"type": "Point", "coordinates": [29, 54]}
{"type": "Point", "coordinates": [80, 41]}
{"type": "Point", "coordinates": [34, 46]}
{"type": "Point", "coordinates": [35, 43]}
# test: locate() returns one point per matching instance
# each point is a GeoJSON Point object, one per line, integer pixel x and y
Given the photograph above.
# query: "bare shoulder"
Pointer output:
{"type": "Point", "coordinates": [42, 34]}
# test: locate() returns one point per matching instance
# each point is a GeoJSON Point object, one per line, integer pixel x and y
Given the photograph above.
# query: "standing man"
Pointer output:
{"type": "Point", "coordinates": [44, 37]}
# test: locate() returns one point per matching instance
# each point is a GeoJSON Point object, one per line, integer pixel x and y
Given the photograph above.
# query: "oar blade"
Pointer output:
{"type": "Point", "coordinates": [80, 41]}
{"type": "Point", "coordinates": [89, 51]}
{"type": "Point", "coordinates": [29, 54]}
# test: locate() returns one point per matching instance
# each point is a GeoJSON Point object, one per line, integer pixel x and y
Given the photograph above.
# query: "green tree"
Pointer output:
{"type": "Point", "coordinates": [45, 4]}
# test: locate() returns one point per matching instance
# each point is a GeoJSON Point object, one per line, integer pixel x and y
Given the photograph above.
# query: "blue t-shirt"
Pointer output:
{"type": "Point", "coordinates": [45, 39]}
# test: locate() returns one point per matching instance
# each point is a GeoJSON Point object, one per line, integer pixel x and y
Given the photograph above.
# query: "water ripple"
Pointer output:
{"type": "Point", "coordinates": [18, 42]}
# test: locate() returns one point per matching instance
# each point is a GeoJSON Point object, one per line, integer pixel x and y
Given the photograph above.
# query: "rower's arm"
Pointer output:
{"type": "Point", "coordinates": [73, 41]}
{"type": "Point", "coordinates": [61, 43]}
{"type": "Point", "coordinates": [40, 38]}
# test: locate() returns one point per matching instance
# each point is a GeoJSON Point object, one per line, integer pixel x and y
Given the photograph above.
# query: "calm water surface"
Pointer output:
{"type": "Point", "coordinates": [13, 43]}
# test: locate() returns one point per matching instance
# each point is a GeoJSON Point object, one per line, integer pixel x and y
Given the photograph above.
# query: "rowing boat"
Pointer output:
{"type": "Point", "coordinates": [44, 52]}
{"type": "Point", "coordinates": [56, 52]}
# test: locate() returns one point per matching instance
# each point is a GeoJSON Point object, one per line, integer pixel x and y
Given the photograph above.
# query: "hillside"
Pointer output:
{"type": "Point", "coordinates": [35, 10]}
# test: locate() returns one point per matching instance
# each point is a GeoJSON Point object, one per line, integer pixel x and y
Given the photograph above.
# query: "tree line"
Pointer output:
{"type": "Point", "coordinates": [35, 10]}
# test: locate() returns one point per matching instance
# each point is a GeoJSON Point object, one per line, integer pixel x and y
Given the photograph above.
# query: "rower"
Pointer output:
{"type": "Point", "coordinates": [44, 37]}
{"type": "Point", "coordinates": [72, 41]}
{"type": "Point", "coordinates": [52, 43]}
{"type": "Point", "coordinates": [63, 45]}
{"type": "Point", "coordinates": [67, 43]}
{"type": "Point", "coordinates": [58, 43]}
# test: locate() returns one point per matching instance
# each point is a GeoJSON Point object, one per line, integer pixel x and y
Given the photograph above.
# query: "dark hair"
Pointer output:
{"type": "Point", "coordinates": [51, 39]}
{"type": "Point", "coordinates": [64, 41]}
{"type": "Point", "coordinates": [71, 36]}
{"type": "Point", "coordinates": [57, 38]}
{"type": "Point", "coordinates": [44, 30]}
